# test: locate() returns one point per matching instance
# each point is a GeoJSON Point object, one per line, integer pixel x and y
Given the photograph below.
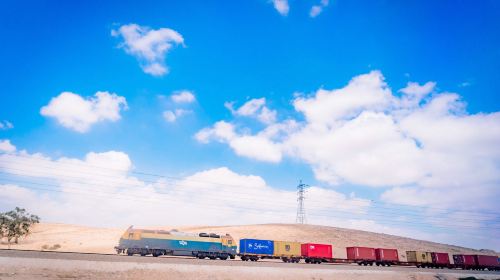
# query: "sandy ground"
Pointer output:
{"type": "Point", "coordinates": [31, 268]}
{"type": "Point", "coordinates": [63, 237]}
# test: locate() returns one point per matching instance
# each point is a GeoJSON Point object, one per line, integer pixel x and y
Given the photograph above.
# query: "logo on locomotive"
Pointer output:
{"type": "Point", "coordinates": [183, 243]}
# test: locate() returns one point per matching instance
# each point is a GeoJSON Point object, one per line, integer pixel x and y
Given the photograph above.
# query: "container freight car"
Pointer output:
{"type": "Point", "coordinates": [419, 258]}
{"type": "Point", "coordinates": [464, 261]}
{"type": "Point", "coordinates": [287, 251]}
{"type": "Point", "coordinates": [316, 253]}
{"type": "Point", "coordinates": [386, 256]}
{"type": "Point", "coordinates": [361, 255]}
{"type": "Point", "coordinates": [440, 260]}
{"type": "Point", "coordinates": [254, 249]}
{"type": "Point", "coordinates": [486, 262]}
{"type": "Point", "coordinates": [160, 242]}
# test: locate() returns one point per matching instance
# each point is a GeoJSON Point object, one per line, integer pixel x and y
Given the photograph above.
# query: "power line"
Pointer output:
{"type": "Point", "coordinates": [371, 214]}
{"type": "Point", "coordinates": [260, 211]}
{"type": "Point", "coordinates": [257, 200]}
{"type": "Point", "coordinates": [483, 212]}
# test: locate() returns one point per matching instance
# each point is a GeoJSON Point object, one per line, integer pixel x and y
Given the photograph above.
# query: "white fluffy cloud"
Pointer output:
{"type": "Point", "coordinates": [258, 147]}
{"type": "Point", "coordinates": [255, 108]}
{"type": "Point", "coordinates": [4, 125]}
{"type": "Point", "coordinates": [183, 96]}
{"type": "Point", "coordinates": [77, 113]}
{"type": "Point", "coordinates": [172, 115]}
{"type": "Point", "coordinates": [6, 146]}
{"type": "Point", "coordinates": [419, 144]}
{"type": "Point", "coordinates": [101, 189]}
{"type": "Point", "coordinates": [281, 6]}
{"type": "Point", "coordinates": [149, 46]}
{"type": "Point", "coordinates": [318, 9]}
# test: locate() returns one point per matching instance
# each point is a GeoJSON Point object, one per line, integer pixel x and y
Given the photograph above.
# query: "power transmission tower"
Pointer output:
{"type": "Point", "coordinates": [301, 210]}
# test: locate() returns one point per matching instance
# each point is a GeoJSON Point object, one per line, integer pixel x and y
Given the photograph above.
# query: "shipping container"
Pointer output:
{"type": "Point", "coordinates": [418, 257]}
{"type": "Point", "coordinates": [440, 259]}
{"type": "Point", "coordinates": [312, 250]}
{"type": "Point", "coordinates": [464, 261]}
{"type": "Point", "coordinates": [386, 255]}
{"type": "Point", "coordinates": [361, 253]}
{"type": "Point", "coordinates": [483, 261]}
{"type": "Point", "coordinates": [287, 249]}
{"type": "Point", "coordinates": [256, 247]}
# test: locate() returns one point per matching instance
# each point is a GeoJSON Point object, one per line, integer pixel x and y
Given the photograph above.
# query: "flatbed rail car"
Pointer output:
{"type": "Point", "coordinates": [361, 255]}
{"type": "Point", "coordinates": [386, 257]}
{"type": "Point", "coordinates": [160, 242]}
{"type": "Point", "coordinates": [255, 249]}
{"type": "Point", "coordinates": [317, 253]}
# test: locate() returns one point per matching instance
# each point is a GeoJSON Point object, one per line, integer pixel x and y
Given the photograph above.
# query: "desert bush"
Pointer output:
{"type": "Point", "coordinates": [16, 223]}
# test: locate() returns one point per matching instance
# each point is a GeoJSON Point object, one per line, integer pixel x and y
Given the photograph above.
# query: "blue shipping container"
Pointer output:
{"type": "Point", "coordinates": [256, 246]}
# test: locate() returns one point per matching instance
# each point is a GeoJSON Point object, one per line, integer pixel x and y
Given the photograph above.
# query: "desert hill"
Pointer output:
{"type": "Point", "coordinates": [63, 237]}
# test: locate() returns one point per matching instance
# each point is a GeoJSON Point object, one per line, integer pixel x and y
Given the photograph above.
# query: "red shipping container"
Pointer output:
{"type": "Point", "coordinates": [486, 261]}
{"type": "Point", "coordinates": [386, 255]}
{"type": "Point", "coordinates": [440, 258]}
{"type": "Point", "coordinates": [360, 253]}
{"type": "Point", "coordinates": [467, 260]}
{"type": "Point", "coordinates": [312, 250]}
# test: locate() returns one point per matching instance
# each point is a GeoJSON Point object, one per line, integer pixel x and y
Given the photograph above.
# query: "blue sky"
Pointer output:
{"type": "Point", "coordinates": [239, 51]}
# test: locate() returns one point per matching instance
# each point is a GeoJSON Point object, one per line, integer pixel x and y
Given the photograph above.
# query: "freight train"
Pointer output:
{"type": "Point", "coordinates": [214, 246]}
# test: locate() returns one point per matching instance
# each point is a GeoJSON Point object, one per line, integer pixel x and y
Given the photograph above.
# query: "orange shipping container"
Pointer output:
{"type": "Point", "coordinates": [286, 249]}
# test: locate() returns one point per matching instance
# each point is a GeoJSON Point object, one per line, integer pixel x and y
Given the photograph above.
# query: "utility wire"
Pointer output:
{"type": "Point", "coordinates": [252, 198]}
{"type": "Point", "coordinates": [483, 212]}
{"type": "Point", "coordinates": [239, 207]}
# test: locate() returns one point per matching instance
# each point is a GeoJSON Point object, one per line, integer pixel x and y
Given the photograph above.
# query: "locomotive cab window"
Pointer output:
{"type": "Point", "coordinates": [230, 242]}
{"type": "Point", "coordinates": [131, 235]}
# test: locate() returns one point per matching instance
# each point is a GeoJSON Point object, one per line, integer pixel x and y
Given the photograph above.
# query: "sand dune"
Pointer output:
{"type": "Point", "coordinates": [63, 237]}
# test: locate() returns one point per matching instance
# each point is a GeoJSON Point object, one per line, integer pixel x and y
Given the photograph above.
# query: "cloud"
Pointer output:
{"type": "Point", "coordinates": [79, 114]}
{"type": "Point", "coordinates": [6, 146]}
{"type": "Point", "coordinates": [148, 46]}
{"type": "Point", "coordinates": [172, 116]}
{"type": "Point", "coordinates": [255, 108]}
{"type": "Point", "coordinates": [367, 92]}
{"type": "Point", "coordinates": [257, 147]}
{"type": "Point", "coordinates": [102, 189]}
{"type": "Point", "coordinates": [264, 146]}
{"type": "Point", "coordinates": [184, 96]}
{"type": "Point", "coordinates": [421, 147]}
{"type": "Point", "coordinates": [464, 84]}
{"type": "Point", "coordinates": [318, 9]}
{"type": "Point", "coordinates": [281, 6]}
{"type": "Point", "coordinates": [5, 125]}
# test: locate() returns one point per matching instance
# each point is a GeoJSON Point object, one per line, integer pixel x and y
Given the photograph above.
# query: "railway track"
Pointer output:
{"type": "Point", "coordinates": [76, 256]}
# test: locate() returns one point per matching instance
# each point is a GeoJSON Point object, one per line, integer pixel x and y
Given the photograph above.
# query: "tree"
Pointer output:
{"type": "Point", "coordinates": [16, 223]}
